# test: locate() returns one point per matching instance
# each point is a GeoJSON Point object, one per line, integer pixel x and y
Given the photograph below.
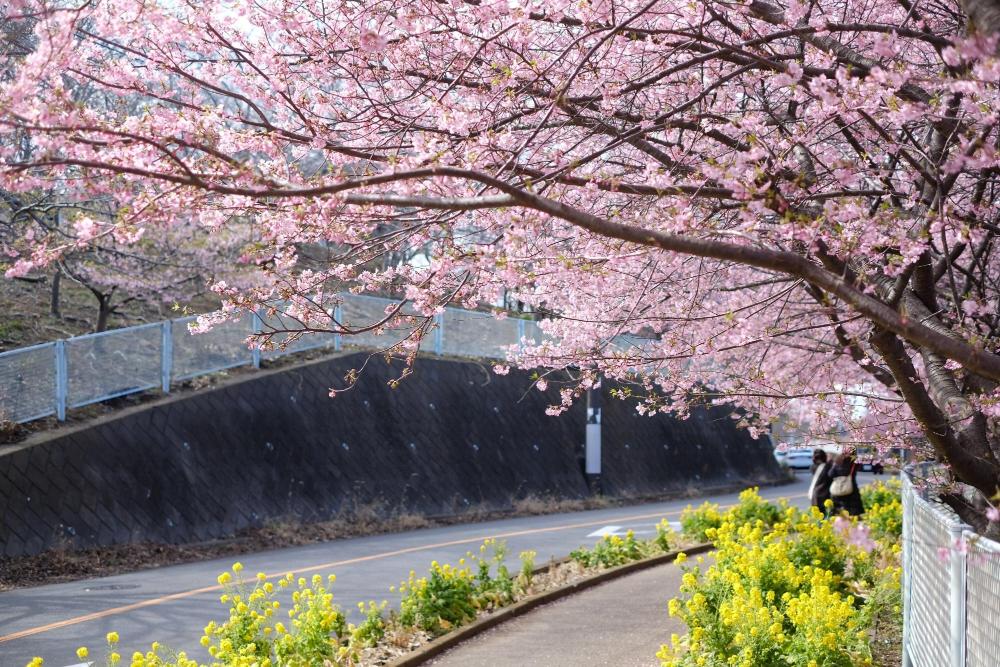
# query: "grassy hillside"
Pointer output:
{"type": "Point", "coordinates": [27, 317]}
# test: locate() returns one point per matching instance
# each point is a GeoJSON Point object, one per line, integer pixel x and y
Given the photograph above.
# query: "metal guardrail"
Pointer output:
{"type": "Point", "coordinates": [47, 379]}
{"type": "Point", "coordinates": [951, 587]}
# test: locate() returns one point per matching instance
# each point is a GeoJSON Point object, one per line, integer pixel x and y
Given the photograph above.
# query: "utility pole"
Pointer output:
{"type": "Point", "coordinates": [593, 442]}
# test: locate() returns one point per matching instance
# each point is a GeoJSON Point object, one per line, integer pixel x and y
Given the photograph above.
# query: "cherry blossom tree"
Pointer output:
{"type": "Point", "coordinates": [169, 265]}
{"type": "Point", "coordinates": [786, 204]}
{"type": "Point", "coordinates": [163, 267]}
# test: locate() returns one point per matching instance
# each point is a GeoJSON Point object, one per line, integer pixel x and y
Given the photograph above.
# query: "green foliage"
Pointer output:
{"type": "Point", "coordinates": [494, 590]}
{"type": "Point", "coordinates": [665, 536]}
{"type": "Point", "coordinates": [614, 550]}
{"type": "Point", "coordinates": [527, 573]}
{"type": "Point", "coordinates": [440, 601]}
{"type": "Point", "coordinates": [884, 509]}
{"type": "Point", "coordinates": [697, 522]}
{"type": "Point", "coordinates": [751, 508]}
{"type": "Point", "coordinates": [316, 632]}
{"type": "Point", "coordinates": [371, 630]}
{"type": "Point", "coordinates": [701, 522]}
{"type": "Point", "coordinates": [451, 596]}
{"type": "Point", "coordinates": [611, 551]}
{"type": "Point", "coordinates": [881, 492]}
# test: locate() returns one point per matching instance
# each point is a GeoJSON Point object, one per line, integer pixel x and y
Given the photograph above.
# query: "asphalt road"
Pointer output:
{"type": "Point", "coordinates": [172, 604]}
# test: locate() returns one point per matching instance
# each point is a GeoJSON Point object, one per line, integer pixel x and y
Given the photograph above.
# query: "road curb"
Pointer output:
{"type": "Point", "coordinates": [438, 646]}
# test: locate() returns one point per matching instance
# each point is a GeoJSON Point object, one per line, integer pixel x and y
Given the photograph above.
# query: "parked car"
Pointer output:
{"type": "Point", "coordinates": [797, 458]}
{"type": "Point", "coordinates": [800, 458]}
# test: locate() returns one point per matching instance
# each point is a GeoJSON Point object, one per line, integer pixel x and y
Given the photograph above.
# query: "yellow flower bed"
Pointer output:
{"type": "Point", "coordinates": [799, 592]}
{"type": "Point", "coordinates": [314, 632]}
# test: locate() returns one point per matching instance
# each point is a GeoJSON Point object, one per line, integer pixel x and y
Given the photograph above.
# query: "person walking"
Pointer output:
{"type": "Point", "coordinates": [844, 491]}
{"type": "Point", "coordinates": [819, 488]}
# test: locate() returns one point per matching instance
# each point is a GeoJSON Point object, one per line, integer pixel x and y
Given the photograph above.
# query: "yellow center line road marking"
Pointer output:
{"type": "Point", "coordinates": [114, 611]}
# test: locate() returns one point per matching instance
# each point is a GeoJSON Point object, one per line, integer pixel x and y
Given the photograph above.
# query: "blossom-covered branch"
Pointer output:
{"type": "Point", "coordinates": [793, 204]}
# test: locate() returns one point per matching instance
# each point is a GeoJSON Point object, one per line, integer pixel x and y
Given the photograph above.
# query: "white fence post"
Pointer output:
{"type": "Point", "coordinates": [258, 326]}
{"type": "Point", "coordinates": [62, 380]}
{"type": "Point", "coordinates": [907, 563]}
{"type": "Point", "coordinates": [959, 562]}
{"type": "Point", "coordinates": [166, 354]}
{"type": "Point", "coordinates": [338, 317]}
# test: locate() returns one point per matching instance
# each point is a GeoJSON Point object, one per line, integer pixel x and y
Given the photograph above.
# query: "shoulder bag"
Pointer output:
{"type": "Point", "coordinates": [842, 485]}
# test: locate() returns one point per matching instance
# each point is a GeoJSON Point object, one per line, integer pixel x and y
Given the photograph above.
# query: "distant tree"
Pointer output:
{"type": "Point", "coordinates": [118, 265]}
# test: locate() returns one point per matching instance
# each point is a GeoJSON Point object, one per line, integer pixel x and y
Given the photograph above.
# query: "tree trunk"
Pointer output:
{"type": "Point", "coordinates": [103, 312]}
{"type": "Point", "coordinates": [952, 439]}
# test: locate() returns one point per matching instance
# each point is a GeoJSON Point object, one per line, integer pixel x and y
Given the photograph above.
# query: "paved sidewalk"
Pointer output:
{"type": "Point", "coordinates": [621, 623]}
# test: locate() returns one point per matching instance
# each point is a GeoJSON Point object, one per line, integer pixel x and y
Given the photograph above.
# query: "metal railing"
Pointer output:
{"type": "Point", "coordinates": [951, 587]}
{"type": "Point", "coordinates": [47, 379]}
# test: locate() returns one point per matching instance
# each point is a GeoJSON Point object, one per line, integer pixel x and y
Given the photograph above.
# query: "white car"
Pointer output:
{"type": "Point", "coordinates": [797, 458]}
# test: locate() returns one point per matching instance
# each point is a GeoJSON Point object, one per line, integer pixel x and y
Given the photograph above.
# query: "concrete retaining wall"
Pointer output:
{"type": "Point", "coordinates": [454, 435]}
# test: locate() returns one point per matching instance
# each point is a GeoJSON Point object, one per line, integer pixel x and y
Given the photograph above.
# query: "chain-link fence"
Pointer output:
{"type": "Point", "coordinates": [28, 383]}
{"type": "Point", "coordinates": [223, 346]}
{"type": "Point", "coordinates": [113, 363]}
{"type": "Point", "coordinates": [983, 603]}
{"type": "Point", "coordinates": [45, 380]}
{"type": "Point", "coordinates": [951, 586]}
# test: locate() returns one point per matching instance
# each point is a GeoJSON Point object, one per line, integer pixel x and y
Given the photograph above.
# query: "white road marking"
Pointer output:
{"type": "Point", "coordinates": [608, 531]}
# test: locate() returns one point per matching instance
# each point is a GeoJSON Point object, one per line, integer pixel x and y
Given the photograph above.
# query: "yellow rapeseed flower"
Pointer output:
{"type": "Point", "coordinates": [82, 653]}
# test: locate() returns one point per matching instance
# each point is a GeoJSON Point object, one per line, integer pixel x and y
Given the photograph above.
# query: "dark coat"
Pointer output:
{"type": "Point", "coordinates": [821, 491]}
{"type": "Point", "coordinates": [850, 503]}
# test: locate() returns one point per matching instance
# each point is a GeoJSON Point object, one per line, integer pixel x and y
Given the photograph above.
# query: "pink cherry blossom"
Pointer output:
{"type": "Point", "coordinates": [372, 42]}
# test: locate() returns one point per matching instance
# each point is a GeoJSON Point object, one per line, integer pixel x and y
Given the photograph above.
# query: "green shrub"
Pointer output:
{"type": "Point", "coordinates": [884, 509]}
{"type": "Point", "coordinates": [665, 536]}
{"type": "Point", "coordinates": [450, 596]}
{"type": "Point", "coordinates": [499, 589]}
{"type": "Point", "coordinates": [751, 507]}
{"type": "Point", "coordinates": [371, 630]}
{"type": "Point", "coordinates": [444, 599]}
{"type": "Point", "coordinates": [611, 551]}
{"type": "Point", "coordinates": [527, 573]}
{"type": "Point", "coordinates": [697, 522]}
{"type": "Point", "coordinates": [881, 492]}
